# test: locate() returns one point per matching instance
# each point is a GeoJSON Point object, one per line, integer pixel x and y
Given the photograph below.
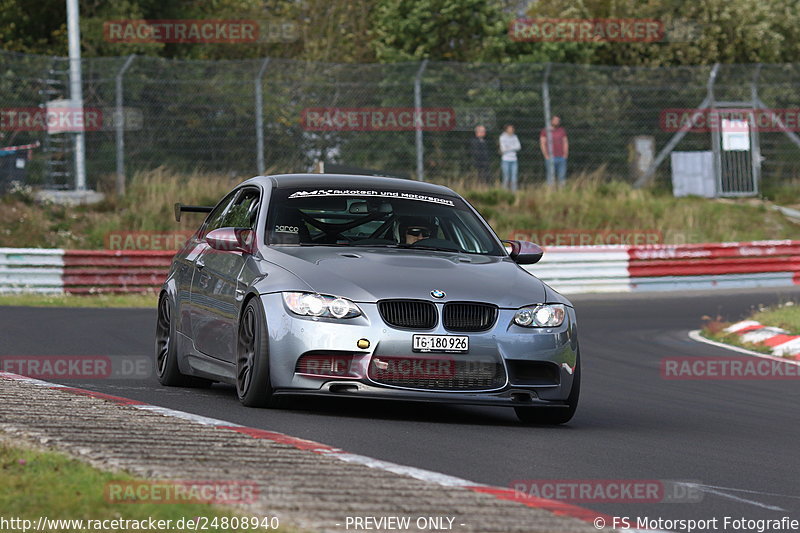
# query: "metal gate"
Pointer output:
{"type": "Point", "coordinates": [735, 143]}
{"type": "Point", "coordinates": [737, 158]}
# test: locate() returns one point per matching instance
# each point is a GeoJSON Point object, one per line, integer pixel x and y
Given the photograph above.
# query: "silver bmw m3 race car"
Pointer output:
{"type": "Point", "coordinates": [355, 286]}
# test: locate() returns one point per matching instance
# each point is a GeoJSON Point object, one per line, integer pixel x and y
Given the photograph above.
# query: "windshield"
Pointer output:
{"type": "Point", "coordinates": [376, 218]}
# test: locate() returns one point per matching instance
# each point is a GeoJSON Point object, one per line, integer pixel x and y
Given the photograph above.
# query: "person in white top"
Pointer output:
{"type": "Point", "coordinates": [509, 146]}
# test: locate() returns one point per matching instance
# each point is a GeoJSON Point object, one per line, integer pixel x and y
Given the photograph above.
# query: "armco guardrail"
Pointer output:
{"type": "Point", "coordinates": [575, 269]}
{"type": "Point", "coordinates": [568, 269]}
{"type": "Point", "coordinates": [710, 266]}
{"type": "Point", "coordinates": [31, 270]}
{"type": "Point", "coordinates": [115, 271]}
{"type": "Point", "coordinates": [572, 269]}
{"type": "Point", "coordinates": [82, 271]}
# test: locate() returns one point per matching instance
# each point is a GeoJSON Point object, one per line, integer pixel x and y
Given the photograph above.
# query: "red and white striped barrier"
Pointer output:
{"type": "Point", "coordinates": [116, 271]}
{"type": "Point", "coordinates": [711, 266]}
{"type": "Point", "coordinates": [576, 269]}
{"type": "Point", "coordinates": [568, 269]}
{"type": "Point", "coordinates": [82, 271]}
{"type": "Point", "coordinates": [667, 267]}
{"type": "Point", "coordinates": [780, 342]}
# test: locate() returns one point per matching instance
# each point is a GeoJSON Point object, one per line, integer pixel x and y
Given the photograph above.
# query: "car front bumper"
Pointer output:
{"type": "Point", "coordinates": [508, 397]}
{"type": "Point", "coordinates": [515, 347]}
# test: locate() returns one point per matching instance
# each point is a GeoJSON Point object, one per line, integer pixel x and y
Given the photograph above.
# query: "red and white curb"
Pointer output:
{"type": "Point", "coordinates": [696, 335]}
{"type": "Point", "coordinates": [780, 342]}
{"type": "Point", "coordinates": [556, 507]}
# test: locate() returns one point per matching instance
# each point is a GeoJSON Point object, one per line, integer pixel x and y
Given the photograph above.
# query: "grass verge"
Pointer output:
{"type": "Point", "coordinates": [50, 484]}
{"type": "Point", "coordinates": [590, 202]}
{"type": "Point", "coordinates": [785, 315]}
{"type": "Point", "coordinates": [72, 300]}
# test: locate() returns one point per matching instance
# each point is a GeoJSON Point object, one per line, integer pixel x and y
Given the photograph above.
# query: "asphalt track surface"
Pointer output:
{"type": "Point", "coordinates": [739, 439]}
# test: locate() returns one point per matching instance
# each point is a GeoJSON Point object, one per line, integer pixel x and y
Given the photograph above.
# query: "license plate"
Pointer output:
{"type": "Point", "coordinates": [440, 343]}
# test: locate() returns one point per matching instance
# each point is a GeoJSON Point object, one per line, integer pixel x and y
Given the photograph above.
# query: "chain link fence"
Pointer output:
{"type": "Point", "coordinates": [246, 117]}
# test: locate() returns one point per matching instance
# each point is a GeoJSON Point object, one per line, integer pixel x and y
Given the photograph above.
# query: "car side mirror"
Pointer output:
{"type": "Point", "coordinates": [231, 239]}
{"type": "Point", "coordinates": [524, 252]}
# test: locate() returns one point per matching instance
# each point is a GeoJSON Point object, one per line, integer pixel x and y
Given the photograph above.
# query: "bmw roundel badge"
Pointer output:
{"type": "Point", "coordinates": [436, 293]}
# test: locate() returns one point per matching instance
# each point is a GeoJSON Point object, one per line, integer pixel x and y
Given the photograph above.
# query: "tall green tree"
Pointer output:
{"type": "Point", "coordinates": [725, 31]}
{"type": "Point", "coordinates": [40, 31]}
{"type": "Point", "coordinates": [337, 30]}
{"type": "Point", "coordinates": [447, 30]}
{"type": "Point", "coordinates": [387, 31]}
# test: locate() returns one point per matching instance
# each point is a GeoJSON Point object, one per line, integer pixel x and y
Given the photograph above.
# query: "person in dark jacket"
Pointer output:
{"type": "Point", "coordinates": [479, 152]}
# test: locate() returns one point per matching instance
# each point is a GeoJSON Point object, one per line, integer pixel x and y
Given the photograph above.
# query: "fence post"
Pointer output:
{"type": "Point", "coordinates": [76, 89]}
{"type": "Point", "coordinates": [260, 118]}
{"type": "Point", "coordinates": [755, 138]}
{"type": "Point", "coordinates": [417, 119]}
{"type": "Point", "coordinates": [551, 178]}
{"type": "Point", "coordinates": [716, 141]}
{"type": "Point", "coordinates": [790, 134]}
{"type": "Point", "coordinates": [119, 123]}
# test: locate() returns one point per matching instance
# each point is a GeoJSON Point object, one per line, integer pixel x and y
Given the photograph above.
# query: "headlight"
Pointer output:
{"type": "Point", "coordinates": [320, 305]}
{"type": "Point", "coordinates": [541, 316]}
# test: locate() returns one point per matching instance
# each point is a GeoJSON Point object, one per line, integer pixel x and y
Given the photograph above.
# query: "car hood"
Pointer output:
{"type": "Point", "coordinates": [371, 274]}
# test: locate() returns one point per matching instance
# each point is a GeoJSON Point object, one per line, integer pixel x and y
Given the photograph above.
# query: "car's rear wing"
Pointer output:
{"type": "Point", "coordinates": [180, 208]}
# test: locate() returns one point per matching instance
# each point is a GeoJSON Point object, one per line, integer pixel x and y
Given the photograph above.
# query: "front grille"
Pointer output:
{"type": "Point", "coordinates": [468, 316]}
{"type": "Point", "coordinates": [409, 314]}
{"type": "Point", "coordinates": [437, 373]}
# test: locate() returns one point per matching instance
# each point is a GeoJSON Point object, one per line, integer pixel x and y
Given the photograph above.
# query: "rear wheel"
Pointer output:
{"type": "Point", "coordinates": [166, 351]}
{"type": "Point", "coordinates": [554, 415]}
{"type": "Point", "coordinates": [253, 386]}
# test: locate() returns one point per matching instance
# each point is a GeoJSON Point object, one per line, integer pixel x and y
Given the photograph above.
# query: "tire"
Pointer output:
{"type": "Point", "coordinates": [166, 352]}
{"type": "Point", "coordinates": [549, 416]}
{"type": "Point", "coordinates": [253, 386]}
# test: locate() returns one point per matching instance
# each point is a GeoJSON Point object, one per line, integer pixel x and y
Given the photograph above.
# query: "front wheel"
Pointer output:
{"type": "Point", "coordinates": [253, 386]}
{"type": "Point", "coordinates": [554, 415]}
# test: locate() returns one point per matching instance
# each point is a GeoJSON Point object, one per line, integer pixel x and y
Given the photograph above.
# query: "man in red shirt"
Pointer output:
{"type": "Point", "coordinates": [560, 148]}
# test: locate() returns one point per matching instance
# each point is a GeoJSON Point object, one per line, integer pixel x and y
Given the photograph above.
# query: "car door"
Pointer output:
{"type": "Point", "coordinates": [188, 267]}
{"type": "Point", "coordinates": [218, 285]}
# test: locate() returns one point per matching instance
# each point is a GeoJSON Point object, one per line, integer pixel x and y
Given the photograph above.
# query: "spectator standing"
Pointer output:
{"type": "Point", "coordinates": [509, 146]}
{"type": "Point", "coordinates": [479, 152]}
{"type": "Point", "coordinates": [560, 149]}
